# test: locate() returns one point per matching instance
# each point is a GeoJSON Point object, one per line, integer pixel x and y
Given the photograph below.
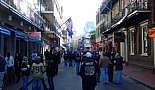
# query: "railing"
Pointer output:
{"type": "Point", "coordinates": [116, 18]}
{"type": "Point", "coordinates": [31, 16]}
{"type": "Point", "coordinates": [107, 25]}
{"type": "Point", "coordinates": [138, 5]}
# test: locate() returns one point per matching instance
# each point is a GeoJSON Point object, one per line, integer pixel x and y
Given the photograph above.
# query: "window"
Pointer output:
{"type": "Point", "coordinates": [132, 47]}
{"type": "Point", "coordinates": [144, 39]}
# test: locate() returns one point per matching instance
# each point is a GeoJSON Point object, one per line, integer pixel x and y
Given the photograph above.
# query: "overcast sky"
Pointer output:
{"type": "Point", "coordinates": [80, 11]}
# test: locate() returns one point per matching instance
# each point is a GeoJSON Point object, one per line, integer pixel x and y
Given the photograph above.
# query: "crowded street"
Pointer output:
{"type": "Point", "coordinates": [77, 44]}
{"type": "Point", "coordinates": [68, 80]}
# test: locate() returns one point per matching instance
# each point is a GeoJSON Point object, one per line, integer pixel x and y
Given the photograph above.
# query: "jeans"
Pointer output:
{"type": "Point", "coordinates": [118, 77]}
{"type": "Point", "coordinates": [65, 63]}
{"type": "Point", "coordinates": [1, 79]}
{"type": "Point", "coordinates": [51, 83]}
{"type": "Point", "coordinates": [36, 84]}
{"type": "Point", "coordinates": [77, 67]}
{"type": "Point", "coordinates": [25, 82]}
{"type": "Point", "coordinates": [104, 75]}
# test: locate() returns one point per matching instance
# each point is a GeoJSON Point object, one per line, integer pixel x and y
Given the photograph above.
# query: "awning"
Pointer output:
{"type": "Point", "coordinates": [4, 31]}
{"type": "Point", "coordinates": [115, 26]}
{"type": "Point", "coordinates": [18, 34]}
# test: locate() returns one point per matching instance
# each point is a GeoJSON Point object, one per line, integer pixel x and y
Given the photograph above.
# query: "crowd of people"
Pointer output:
{"type": "Point", "coordinates": [92, 66]}
{"type": "Point", "coordinates": [14, 69]}
{"type": "Point", "coordinates": [96, 66]}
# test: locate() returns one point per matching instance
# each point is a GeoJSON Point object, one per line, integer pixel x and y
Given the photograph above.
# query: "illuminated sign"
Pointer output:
{"type": "Point", "coordinates": [152, 32]}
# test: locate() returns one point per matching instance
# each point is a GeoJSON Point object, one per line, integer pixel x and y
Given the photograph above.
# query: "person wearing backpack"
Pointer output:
{"type": "Point", "coordinates": [88, 72]}
{"type": "Point", "coordinates": [37, 73]}
{"type": "Point", "coordinates": [3, 68]}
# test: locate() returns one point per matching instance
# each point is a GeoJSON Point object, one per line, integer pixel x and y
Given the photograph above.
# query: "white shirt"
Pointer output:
{"type": "Point", "coordinates": [10, 62]}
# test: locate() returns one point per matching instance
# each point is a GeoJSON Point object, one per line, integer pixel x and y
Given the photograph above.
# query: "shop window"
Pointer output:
{"type": "Point", "coordinates": [132, 41]}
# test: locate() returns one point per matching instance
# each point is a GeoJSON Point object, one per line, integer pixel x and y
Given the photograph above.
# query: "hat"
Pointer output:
{"type": "Point", "coordinates": [88, 55]}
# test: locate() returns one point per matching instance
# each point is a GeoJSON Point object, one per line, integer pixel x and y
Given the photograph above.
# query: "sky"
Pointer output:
{"type": "Point", "coordinates": [81, 11]}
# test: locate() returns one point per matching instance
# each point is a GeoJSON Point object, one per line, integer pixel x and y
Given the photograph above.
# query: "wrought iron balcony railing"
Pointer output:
{"type": "Point", "coordinates": [138, 5]}
{"type": "Point", "coordinates": [116, 18]}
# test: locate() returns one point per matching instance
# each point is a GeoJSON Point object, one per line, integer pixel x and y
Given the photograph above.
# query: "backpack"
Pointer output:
{"type": "Point", "coordinates": [2, 64]}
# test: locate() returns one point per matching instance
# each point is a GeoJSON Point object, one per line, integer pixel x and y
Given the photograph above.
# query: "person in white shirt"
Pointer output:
{"type": "Point", "coordinates": [10, 68]}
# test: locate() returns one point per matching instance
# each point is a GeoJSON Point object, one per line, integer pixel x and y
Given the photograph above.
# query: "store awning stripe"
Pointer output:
{"type": "Point", "coordinates": [4, 31]}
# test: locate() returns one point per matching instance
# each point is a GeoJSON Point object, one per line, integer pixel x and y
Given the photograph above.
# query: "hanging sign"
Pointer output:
{"type": "Point", "coordinates": [152, 32]}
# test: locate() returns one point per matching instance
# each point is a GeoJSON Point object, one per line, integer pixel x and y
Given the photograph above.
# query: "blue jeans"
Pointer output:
{"type": "Point", "coordinates": [51, 83]}
{"type": "Point", "coordinates": [1, 79]}
{"type": "Point", "coordinates": [65, 63]}
{"type": "Point", "coordinates": [36, 84]}
{"type": "Point", "coordinates": [25, 80]}
{"type": "Point", "coordinates": [118, 77]}
{"type": "Point", "coordinates": [77, 67]}
{"type": "Point", "coordinates": [104, 75]}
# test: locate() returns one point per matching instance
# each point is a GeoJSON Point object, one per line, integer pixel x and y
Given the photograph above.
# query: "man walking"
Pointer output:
{"type": "Point", "coordinates": [88, 72]}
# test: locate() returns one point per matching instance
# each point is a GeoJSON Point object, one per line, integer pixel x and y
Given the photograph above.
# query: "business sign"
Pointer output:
{"type": "Point", "coordinates": [36, 36]}
{"type": "Point", "coordinates": [152, 32]}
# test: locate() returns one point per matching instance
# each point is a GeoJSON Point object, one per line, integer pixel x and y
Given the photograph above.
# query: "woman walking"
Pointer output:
{"type": "Point", "coordinates": [104, 62]}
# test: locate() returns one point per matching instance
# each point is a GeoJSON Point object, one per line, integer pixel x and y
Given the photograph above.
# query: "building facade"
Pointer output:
{"type": "Point", "coordinates": [27, 26]}
{"type": "Point", "coordinates": [126, 25]}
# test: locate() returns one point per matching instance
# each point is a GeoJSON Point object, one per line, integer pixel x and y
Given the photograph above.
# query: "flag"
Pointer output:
{"type": "Point", "coordinates": [69, 25]}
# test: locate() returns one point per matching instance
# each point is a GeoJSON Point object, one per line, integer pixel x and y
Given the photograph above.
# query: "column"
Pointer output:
{"type": "Point", "coordinates": [154, 53]}
{"type": "Point", "coordinates": [122, 49]}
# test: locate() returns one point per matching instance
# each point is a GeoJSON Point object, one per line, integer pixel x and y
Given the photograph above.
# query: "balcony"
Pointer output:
{"type": "Point", "coordinates": [137, 11]}
{"type": "Point", "coordinates": [138, 6]}
{"type": "Point", "coordinates": [117, 17]}
{"type": "Point", "coordinates": [106, 6]}
{"type": "Point", "coordinates": [30, 16]}
{"type": "Point", "coordinates": [47, 10]}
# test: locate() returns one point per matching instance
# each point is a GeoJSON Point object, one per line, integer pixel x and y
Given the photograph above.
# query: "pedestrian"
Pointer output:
{"type": "Point", "coordinates": [96, 57]}
{"type": "Point", "coordinates": [104, 62]}
{"type": "Point", "coordinates": [37, 73]}
{"type": "Point", "coordinates": [25, 71]}
{"type": "Point", "coordinates": [65, 59]}
{"type": "Point", "coordinates": [18, 62]}
{"type": "Point", "coordinates": [70, 58]}
{"type": "Point", "coordinates": [10, 68]}
{"type": "Point", "coordinates": [118, 62]}
{"type": "Point", "coordinates": [3, 68]}
{"type": "Point", "coordinates": [57, 57]}
{"type": "Point", "coordinates": [78, 61]}
{"type": "Point", "coordinates": [46, 54]}
{"type": "Point", "coordinates": [88, 72]}
{"type": "Point", "coordinates": [43, 81]}
{"type": "Point", "coordinates": [33, 56]}
{"type": "Point", "coordinates": [50, 70]}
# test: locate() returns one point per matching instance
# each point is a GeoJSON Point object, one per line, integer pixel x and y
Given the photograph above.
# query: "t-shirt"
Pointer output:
{"type": "Point", "coordinates": [37, 70]}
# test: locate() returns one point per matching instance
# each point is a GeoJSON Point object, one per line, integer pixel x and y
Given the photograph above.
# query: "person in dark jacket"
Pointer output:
{"type": "Point", "coordinates": [65, 58]}
{"type": "Point", "coordinates": [118, 62]}
{"type": "Point", "coordinates": [3, 69]}
{"type": "Point", "coordinates": [18, 62]}
{"type": "Point", "coordinates": [25, 70]}
{"type": "Point", "coordinates": [51, 69]}
{"type": "Point", "coordinates": [77, 60]}
{"type": "Point", "coordinates": [88, 72]}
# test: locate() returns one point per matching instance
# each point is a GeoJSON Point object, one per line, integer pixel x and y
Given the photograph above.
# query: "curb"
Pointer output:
{"type": "Point", "coordinates": [140, 82]}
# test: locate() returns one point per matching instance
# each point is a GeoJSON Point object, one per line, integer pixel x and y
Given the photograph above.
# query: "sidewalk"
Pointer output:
{"type": "Point", "coordinates": [143, 76]}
